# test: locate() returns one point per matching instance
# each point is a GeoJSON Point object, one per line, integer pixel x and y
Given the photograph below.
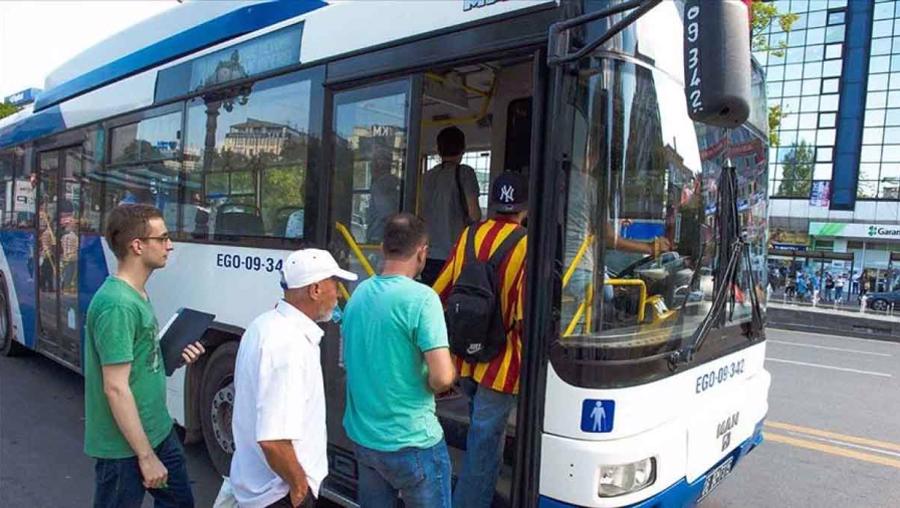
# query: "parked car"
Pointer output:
{"type": "Point", "coordinates": [883, 301]}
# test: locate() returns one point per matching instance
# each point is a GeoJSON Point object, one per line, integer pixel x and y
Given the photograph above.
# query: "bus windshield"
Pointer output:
{"type": "Point", "coordinates": [640, 251]}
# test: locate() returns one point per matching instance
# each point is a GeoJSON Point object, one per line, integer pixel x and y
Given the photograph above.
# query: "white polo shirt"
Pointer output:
{"type": "Point", "coordinates": [279, 394]}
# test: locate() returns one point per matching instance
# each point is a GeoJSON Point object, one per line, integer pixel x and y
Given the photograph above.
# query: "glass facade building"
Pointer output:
{"type": "Point", "coordinates": [834, 176]}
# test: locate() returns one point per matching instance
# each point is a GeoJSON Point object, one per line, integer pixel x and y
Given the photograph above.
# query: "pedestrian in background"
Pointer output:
{"type": "Point", "coordinates": [128, 428]}
{"type": "Point", "coordinates": [397, 358]}
{"type": "Point", "coordinates": [278, 424]}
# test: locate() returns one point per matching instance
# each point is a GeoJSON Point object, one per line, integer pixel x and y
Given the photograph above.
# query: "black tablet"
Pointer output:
{"type": "Point", "coordinates": [186, 327]}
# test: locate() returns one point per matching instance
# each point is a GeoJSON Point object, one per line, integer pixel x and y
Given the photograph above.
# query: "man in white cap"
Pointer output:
{"type": "Point", "coordinates": [279, 409]}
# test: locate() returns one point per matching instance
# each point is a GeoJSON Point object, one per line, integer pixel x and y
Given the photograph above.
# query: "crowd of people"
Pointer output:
{"type": "Point", "coordinates": [396, 352]}
{"type": "Point", "coordinates": [822, 286]}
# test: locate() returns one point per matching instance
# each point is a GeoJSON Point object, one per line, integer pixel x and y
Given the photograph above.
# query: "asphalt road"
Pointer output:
{"type": "Point", "coordinates": [832, 437]}
{"type": "Point", "coordinates": [833, 429]}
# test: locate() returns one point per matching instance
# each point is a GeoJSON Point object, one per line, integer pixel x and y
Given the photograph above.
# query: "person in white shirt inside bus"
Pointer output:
{"type": "Point", "coordinates": [279, 408]}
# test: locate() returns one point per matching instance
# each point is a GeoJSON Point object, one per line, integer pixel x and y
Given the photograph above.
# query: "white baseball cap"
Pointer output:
{"type": "Point", "coordinates": [304, 267]}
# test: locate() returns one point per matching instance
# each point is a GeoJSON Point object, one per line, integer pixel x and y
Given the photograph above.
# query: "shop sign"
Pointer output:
{"type": "Point", "coordinates": [847, 230]}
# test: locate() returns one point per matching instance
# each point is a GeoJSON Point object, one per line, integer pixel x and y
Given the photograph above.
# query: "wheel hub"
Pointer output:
{"type": "Point", "coordinates": [221, 411]}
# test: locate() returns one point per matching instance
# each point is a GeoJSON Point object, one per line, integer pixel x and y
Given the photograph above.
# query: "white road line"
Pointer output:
{"type": "Point", "coordinates": [830, 367]}
{"type": "Point", "coordinates": [800, 344]}
{"type": "Point", "coordinates": [837, 337]}
{"type": "Point", "coordinates": [844, 443]}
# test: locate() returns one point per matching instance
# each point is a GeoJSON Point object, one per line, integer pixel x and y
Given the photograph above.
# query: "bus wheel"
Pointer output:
{"type": "Point", "coordinates": [217, 406]}
{"type": "Point", "coordinates": [8, 345]}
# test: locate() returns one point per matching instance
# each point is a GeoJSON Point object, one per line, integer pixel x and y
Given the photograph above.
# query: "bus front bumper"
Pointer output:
{"type": "Point", "coordinates": [681, 493]}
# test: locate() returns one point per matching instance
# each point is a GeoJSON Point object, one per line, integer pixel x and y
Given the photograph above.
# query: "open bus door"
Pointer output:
{"type": "Point", "coordinates": [370, 147]}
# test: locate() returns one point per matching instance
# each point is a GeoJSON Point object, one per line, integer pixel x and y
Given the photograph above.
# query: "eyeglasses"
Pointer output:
{"type": "Point", "coordinates": [162, 238]}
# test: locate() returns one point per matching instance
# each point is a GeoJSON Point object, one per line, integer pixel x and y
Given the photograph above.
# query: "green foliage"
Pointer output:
{"type": "Point", "coordinates": [776, 114]}
{"type": "Point", "coordinates": [764, 14]}
{"type": "Point", "coordinates": [797, 170]}
{"type": "Point", "coordinates": [7, 109]}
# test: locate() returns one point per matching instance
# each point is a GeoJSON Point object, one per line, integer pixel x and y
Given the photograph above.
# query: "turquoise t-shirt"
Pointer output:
{"type": "Point", "coordinates": [389, 322]}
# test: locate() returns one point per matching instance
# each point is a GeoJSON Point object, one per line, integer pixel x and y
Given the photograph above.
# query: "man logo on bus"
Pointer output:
{"type": "Point", "coordinates": [507, 194]}
{"type": "Point", "coordinates": [597, 415]}
{"type": "Point", "coordinates": [477, 4]}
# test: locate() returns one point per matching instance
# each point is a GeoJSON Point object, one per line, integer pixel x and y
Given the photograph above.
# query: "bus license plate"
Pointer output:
{"type": "Point", "coordinates": [715, 477]}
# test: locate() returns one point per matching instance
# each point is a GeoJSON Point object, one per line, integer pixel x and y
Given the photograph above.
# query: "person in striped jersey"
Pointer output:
{"type": "Point", "coordinates": [491, 386]}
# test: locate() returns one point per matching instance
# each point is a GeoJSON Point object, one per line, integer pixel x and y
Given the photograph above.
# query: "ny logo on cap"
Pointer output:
{"type": "Point", "coordinates": [506, 193]}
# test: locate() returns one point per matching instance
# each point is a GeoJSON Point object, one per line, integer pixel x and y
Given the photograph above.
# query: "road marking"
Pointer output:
{"type": "Point", "coordinates": [830, 367]}
{"type": "Point", "coordinates": [829, 336]}
{"type": "Point", "coordinates": [832, 435]}
{"type": "Point", "coordinates": [828, 348]}
{"type": "Point", "coordinates": [833, 450]}
{"type": "Point", "coordinates": [848, 445]}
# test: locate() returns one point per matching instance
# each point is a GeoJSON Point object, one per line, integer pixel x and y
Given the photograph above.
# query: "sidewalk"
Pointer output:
{"type": "Point", "coordinates": [834, 320]}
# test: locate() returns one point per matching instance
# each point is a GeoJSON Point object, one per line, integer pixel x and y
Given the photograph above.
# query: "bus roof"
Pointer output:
{"type": "Point", "coordinates": [119, 74]}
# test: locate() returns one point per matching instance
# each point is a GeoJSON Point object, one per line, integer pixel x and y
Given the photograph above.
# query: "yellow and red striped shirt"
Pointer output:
{"type": "Point", "coordinates": [501, 373]}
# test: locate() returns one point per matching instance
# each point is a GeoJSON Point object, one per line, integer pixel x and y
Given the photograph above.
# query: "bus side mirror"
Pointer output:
{"type": "Point", "coordinates": [717, 70]}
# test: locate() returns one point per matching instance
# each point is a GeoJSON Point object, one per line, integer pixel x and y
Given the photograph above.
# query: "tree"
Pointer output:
{"type": "Point", "coordinates": [797, 171]}
{"type": "Point", "coordinates": [763, 14]}
{"type": "Point", "coordinates": [7, 109]}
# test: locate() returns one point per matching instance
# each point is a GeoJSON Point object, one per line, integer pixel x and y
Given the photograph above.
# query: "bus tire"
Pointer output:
{"type": "Point", "coordinates": [217, 405]}
{"type": "Point", "coordinates": [8, 344]}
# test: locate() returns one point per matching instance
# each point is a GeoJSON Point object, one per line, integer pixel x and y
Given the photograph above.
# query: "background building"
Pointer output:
{"type": "Point", "coordinates": [834, 179]}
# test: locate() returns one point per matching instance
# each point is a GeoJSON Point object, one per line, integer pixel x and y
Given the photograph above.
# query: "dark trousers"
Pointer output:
{"type": "Point", "coordinates": [431, 271]}
{"type": "Point", "coordinates": [308, 502]}
{"type": "Point", "coordinates": [119, 483]}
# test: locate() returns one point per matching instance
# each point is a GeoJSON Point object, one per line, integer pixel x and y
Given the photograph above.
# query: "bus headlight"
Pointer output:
{"type": "Point", "coordinates": [623, 479]}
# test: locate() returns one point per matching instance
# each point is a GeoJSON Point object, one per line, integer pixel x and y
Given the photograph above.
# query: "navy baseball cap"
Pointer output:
{"type": "Point", "coordinates": [509, 193]}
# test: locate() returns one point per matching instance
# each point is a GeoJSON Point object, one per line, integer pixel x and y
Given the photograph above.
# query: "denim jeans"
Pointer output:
{"type": "Point", "coordinates": [119, 483]}
{"type": "Point", "coordinates": [489, 411]}
{"type": "Point", "coordinates": [420, 475]}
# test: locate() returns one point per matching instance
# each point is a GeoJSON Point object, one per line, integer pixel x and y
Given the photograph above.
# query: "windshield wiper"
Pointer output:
{"type": "Point", "coordinates": [733, 248]}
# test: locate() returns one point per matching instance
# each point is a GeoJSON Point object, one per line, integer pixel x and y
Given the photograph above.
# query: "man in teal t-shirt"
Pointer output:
{"type": "Point", "coordinates": [397, 357]}
{"type": "Point", "coordinates": [127, 426]}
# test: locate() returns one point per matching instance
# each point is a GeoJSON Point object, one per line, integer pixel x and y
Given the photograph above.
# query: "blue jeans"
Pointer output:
{"type": "Point", "coordinates": [488, 411]}
{"type": "Point", "coordinates": [420, 475]}
{"type": "Point", "coordinates": [119, 483]}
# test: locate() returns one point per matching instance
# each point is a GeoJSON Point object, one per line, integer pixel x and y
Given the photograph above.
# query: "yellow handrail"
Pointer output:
{"type": "Point", "coordinates": [355, 248]}
{"type": "Point", "coordinates": [589, 239]}
{"type": "Point", "coordinates": [575, 319]}
{"type": "Point", "coordinates": [344, 293]}
{"type": "Point", "coordinates": [586, 306]}
{"type": "Point", "coordinates": [633, 282]}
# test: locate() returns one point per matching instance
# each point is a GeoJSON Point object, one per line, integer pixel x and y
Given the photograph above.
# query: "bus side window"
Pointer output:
{"type": "Point", "coordinates": [246, 159]}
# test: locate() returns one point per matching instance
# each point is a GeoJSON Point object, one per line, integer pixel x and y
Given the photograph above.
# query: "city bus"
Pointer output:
{"type": "Point", "coordinates": [263, 127]}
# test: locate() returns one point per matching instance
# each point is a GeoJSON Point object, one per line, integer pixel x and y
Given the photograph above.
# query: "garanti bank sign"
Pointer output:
{"type": "Point", "coordinates": [843, 230]}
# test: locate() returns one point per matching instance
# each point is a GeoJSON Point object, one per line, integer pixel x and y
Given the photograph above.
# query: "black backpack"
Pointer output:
{"type": "Point", "coordinates": [474, 317]}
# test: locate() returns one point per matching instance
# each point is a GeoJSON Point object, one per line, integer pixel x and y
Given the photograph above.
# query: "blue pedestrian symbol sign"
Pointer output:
{"type": "Point", "coordinates": [597, 415]}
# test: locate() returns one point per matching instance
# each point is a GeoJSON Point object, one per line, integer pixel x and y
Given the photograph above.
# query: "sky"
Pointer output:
{"type": "Point", "coordinates": [36, 37]}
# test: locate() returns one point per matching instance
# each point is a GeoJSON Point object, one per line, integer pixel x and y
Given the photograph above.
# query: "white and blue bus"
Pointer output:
{"type": "Point", "coordinates": [262, 127]}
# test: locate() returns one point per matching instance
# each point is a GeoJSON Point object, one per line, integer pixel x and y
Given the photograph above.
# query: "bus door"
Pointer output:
{"type": "Point", "coordinates": [369, 141]}
{"type": "Point", "coordinates": [57, 245]}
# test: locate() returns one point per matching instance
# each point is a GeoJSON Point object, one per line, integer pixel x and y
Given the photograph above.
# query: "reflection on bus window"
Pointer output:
{"type": "Point", "coordinates": [640, 239]}
{"type": "Point", "coordinates": [246, 158]}
{"type": "Point", "coordinates": [150, 139]}
{"type": "Point", "coordinates": [370, 136]}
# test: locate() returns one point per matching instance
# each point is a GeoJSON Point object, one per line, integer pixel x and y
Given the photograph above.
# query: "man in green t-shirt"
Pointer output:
{"type": "Point", "coordinates": [397, 357]}
{"type": "Point", "coordinates": [127, 425]}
